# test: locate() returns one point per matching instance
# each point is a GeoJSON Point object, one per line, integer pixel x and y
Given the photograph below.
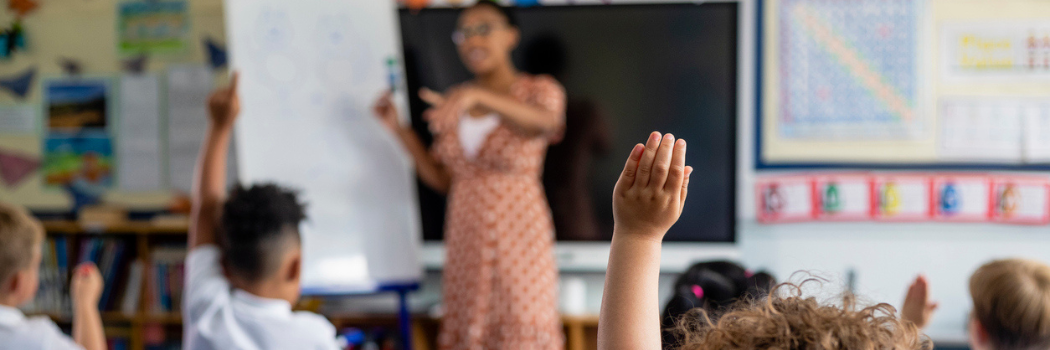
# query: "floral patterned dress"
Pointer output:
{"type": "Point", "coordinates": [500, 278]}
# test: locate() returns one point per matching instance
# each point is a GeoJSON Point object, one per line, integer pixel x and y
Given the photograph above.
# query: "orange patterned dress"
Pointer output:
{"type": "Point", "coordinates": [500, 279]}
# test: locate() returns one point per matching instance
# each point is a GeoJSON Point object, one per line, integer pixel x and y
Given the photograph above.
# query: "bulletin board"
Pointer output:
{"type": "Point", "coordinates": [932, 84]}
{"type": "Point", "coordinates": [113, 101]}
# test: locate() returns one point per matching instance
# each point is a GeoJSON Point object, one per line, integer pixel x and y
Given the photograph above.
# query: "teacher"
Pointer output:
{"type": "Point", "coordinates": [491, 135]}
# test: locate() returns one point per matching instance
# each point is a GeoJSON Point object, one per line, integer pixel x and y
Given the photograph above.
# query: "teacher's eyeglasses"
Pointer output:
{"type": "Point", "coordinates": [461, 35]}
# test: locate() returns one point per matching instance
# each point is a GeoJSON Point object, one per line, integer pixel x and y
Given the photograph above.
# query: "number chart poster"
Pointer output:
{"type": "Point", "coordinates": [849, 69]}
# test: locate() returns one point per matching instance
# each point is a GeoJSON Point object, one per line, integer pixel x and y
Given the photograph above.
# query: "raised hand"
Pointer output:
{"type": "Point", "coordinates": [649, 197]}
{"type": "Point", "coordinates": [86, 286]}
{"type": "Point", "coordinates": [385, 110]}
{"type": "Point", "coordinates": [224, 105]}
{"type": "Point", "coordinates": [917, 306]}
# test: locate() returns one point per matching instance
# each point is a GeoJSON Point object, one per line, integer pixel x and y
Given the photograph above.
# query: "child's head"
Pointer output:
{"type": "Point", "coordinates": [260, 240]}
{"type": "Point", "coordinates": [21, 237]}
{"type": "Point", "coordinates": [714, 287]}
{"type": "Point", "coordinates": [1011, 305]}
{"type": "Point", "coordinates": [788, 320]}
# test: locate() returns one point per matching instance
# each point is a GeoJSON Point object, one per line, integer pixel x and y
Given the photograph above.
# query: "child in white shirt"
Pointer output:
{"type": "Point", "coordinates": [21, 240]}
{"type": "Point", "coordinates": [243, 269]}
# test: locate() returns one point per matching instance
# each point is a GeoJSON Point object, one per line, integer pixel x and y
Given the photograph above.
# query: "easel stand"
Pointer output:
{"type": "Point", "coordinates": [404, 317]}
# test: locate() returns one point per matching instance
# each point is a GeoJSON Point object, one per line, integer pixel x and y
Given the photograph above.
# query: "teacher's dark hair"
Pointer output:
{"type": "Point", "coordinates": [507, 12]}
{"type": "Point", "coordinates": [259, 223]}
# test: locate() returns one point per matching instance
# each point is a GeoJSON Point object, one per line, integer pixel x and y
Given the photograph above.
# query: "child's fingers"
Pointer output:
{"type": "Point", "coordinates": [662, 163]}
{"type": "Point", "coordinates": [685, 186]}
{"type": "Point", "coordinates": [234, 82]}
{"type": "Point", "coordinates": [630, 170]}
{"type": "Point", "coordinates": [645, 165]}
{"type": "Point", "coordinates": [676, 176]}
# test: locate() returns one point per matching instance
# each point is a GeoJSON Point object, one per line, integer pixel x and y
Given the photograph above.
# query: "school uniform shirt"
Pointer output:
{"type": "Point", "coordinates": [220, 318]}
{"type": "Point", "coordinates": [22, 333]}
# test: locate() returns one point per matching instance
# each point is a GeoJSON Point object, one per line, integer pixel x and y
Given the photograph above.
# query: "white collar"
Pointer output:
{"type": "Point", "coordinates": [10, 316]}
{"type": "Point", "coordinates": [265, 305]}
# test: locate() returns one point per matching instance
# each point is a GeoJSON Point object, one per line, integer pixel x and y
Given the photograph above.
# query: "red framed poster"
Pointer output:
{"type": "Point", "coordinates": [960, 197]}
{"type": "Point", "coordinates": [1020, 200]}
{"type": "Point", "coordinates": [901, 197]}
{"type": "Point", "coordinates": [842, 197]}
{"type": "Point", "coordinates": [784, 199]}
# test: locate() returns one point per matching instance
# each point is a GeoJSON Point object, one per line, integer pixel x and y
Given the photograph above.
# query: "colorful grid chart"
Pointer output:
{"type": "Point", "coordinates": [849, 69]}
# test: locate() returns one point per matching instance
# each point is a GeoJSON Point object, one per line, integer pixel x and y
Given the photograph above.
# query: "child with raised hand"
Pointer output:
{"type": "Point", "coordinates": [21, 240]}
{"type": "Point", "coordinates": [1011, 305]}
{"type": "Point", "coordinates": [242, 272]}
{"type": "Point", "coordinates": [647, 201]}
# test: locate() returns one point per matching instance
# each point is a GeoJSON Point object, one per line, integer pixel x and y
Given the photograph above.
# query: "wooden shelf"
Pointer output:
{"type": "Point", "coordinates": [129, 227]}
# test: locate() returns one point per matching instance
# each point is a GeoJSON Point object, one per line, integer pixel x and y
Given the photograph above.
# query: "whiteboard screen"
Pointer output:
{"type": "Point", "coordinates": [309, 71]}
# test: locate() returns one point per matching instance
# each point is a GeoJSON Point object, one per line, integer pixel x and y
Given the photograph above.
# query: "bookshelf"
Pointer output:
{"type": "Point", "coordinates": [137, 327]}
{"type": "Point", "coordinates": [140, 328]}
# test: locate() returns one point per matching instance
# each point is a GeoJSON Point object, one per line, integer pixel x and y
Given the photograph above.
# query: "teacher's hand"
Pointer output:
{"type": "Point", "coordinates": [453, 103]}
{"type": "Point", "coordinates": [386, 111]}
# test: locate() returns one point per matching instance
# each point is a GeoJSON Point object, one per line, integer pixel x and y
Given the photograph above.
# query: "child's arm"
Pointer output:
{"type": "Point", "coordinates": [209, 184]}
{"type": "Point", "coordinates": [647, 201]}
{"type": "Point", "coordinates": [86, 289]}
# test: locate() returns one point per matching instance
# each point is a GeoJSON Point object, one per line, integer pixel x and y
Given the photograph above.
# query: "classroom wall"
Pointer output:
{"type": "Point", "coordinates": [86, 30]}
{"type": "Point", "coordinates": [885, 257]}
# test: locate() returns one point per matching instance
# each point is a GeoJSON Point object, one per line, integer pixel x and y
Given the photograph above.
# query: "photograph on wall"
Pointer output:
{"type": "Point", "coordinates": [77, 105]}
{"type": "Point", "coordinates": [78, 161]}
{"type": "Point", "coordinates": [152, 27]}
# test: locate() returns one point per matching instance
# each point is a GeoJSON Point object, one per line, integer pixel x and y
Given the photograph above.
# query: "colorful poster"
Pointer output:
{"type": "Point", "coordinates": [785, 199]}
{"type": "Point", "coordinates": [152, 26]}
{"type": "Point", "coordinates": [1022, 200]}
{"type": "Point", "coordinates": [81, 161]}
{"type": "Point", "coordinates": [842, 197]}
{"type": "Point", "coordinates": [849, 69]}
{"type": "Point", "coordinates": [901, 197]}
{"type": "Point", "coordinates": [74, 105]}
{"type": "Point", "coordinates": [961, 198]}
{"type": "Point", "coordinates": [1004, 51]}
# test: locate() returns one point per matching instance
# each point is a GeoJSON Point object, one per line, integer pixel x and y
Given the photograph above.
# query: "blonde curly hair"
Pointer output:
{"type": "Point", "coordinates": [787, 320]}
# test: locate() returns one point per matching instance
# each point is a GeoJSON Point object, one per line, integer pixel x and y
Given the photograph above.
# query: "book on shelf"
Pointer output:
{"type": "Point", "coordinates": [52, 297]}
{"type": "Point", "coordinates": [165, 279]}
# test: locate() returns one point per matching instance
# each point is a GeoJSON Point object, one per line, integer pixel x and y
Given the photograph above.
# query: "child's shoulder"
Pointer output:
{"type": "Point", "coordinates": [313, 327]}
{"type": "Point", "coordinates": [41, 333]}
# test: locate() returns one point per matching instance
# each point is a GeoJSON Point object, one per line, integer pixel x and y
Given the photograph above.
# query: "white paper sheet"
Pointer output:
{"type": "Point", "coordinates": [188, 89]}
{"type": "Point", "coordinates": [138, 145]}
{"type": "Point", "coordinates": [309, 72]}
{"type": "Point", "coordinates": [18, 119]}
{"type": "Point", "coordinates": [975, 129]}
{"type": "Point", "coordinates": [1036, 131]}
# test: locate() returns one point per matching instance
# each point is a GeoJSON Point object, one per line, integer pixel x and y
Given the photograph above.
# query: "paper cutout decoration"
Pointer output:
{"type": "Point", "coordinates": [14, 168]}
{"type": "Point", "coordinates": [216, 53]}
{"type": "Point", "coordinates": [900, 197]}
{"type": "Point", "coordinates": [842, 197]}
{"type": "Point", "coordinates": [960, 198]}
{"type": "Point", "coordinates": [135, 65]}
{"type": "Point", "coordinates": [20, 83]}
{"type": "Point", "coordinates": [1020, 200]}
{"type": "Point", "coordinates": [784, 199]}
{"type": "Point", "coordinates": [22, 7]}
{"type": "Point", "coordinates": [12, 40]}
{"type": "Point", "coordinates": [70, 66]}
